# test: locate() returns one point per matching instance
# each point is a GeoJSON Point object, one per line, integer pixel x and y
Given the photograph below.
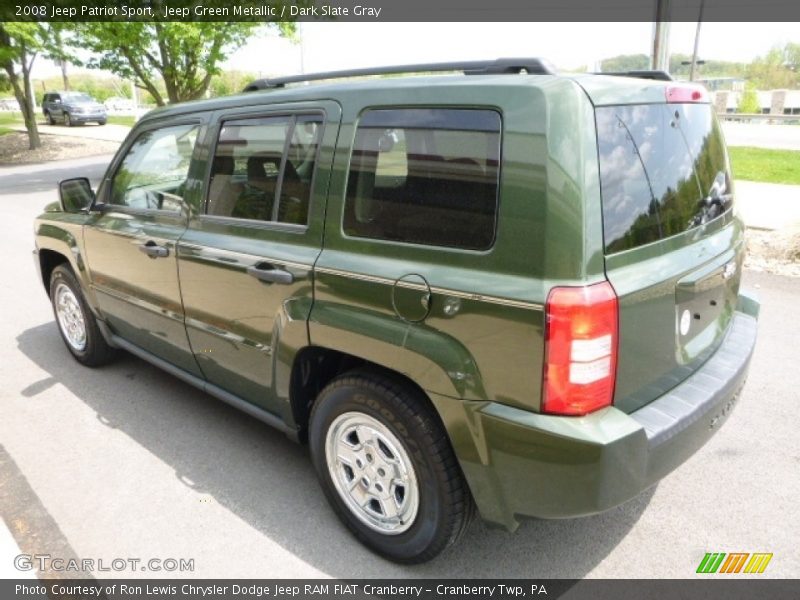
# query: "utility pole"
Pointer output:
{"type": "Point", "coordinates": [696, 42]}
{"type": "Point", "coordinates": [660, 56]}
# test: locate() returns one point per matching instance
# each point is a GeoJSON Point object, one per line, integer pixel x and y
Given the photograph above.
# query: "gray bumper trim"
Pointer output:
{"type": "Point", "coordinates": [720, 377]}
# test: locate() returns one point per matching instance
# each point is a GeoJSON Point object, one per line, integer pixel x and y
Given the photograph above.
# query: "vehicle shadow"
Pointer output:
{"type": "Point", "coordinates": [150, 402]}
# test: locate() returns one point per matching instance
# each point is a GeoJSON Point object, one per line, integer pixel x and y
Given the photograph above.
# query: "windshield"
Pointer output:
{"type": "Point", "coordinates": [663, 171]}
{"type": "Point", "coordinates": [78, 97]}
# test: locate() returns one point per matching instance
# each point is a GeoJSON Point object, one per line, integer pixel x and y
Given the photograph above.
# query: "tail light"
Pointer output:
{"type": "Point", "coordinates": [581, 336]}
{"type": "Point", "coordinates": [678, 94]}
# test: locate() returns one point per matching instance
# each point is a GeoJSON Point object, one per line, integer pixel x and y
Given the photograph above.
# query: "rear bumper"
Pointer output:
{"type": "Point", "coordinates": [519, 463]}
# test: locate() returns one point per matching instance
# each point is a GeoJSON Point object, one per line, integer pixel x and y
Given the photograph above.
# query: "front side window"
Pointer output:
{"type": "Point", "coordinates": [425, 176]}
{"type": "Point", "coordinates": [263, 168]}
{"type": "Point", "coordinates": [154, 171]}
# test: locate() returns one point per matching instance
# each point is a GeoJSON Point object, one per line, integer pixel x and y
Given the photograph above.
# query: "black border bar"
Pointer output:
{"type": "Point", "coordinates": [372, 11]}
{"type": "Point", "coordinates": [709, 587]}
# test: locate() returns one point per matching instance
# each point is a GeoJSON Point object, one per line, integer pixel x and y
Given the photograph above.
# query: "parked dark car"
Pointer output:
{"type": "Point", "coordinates": [506, 290]}
{"type": "Point", "coordinates": [73, 108]}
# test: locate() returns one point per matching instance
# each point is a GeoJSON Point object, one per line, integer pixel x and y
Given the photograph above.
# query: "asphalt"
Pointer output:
{"type": "Point", "coordinates": [768, 205]}
{"type": "Point", "coordinates": [762, 135]}
{"type": "Point", "coordinates": [128, 462]}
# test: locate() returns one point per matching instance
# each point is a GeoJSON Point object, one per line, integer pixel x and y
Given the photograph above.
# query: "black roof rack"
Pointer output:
{"type": "Point", "coordinates": [534, 66]}
{"type": "Point", "coordinates": [644, 74]}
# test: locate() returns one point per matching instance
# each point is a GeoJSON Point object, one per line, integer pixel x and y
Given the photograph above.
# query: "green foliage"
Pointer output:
{"type": "Point", "coordinates": [762, 164]}
{"type": "Point", "coordinates": [183, 56]}
{"type": "Point", "coordinates": [778, 69]}
{"type": "Point", "coordinates": [748, 103]}
{"type": "Point", "coordinates": [20, 43]}
{"type": "Point", "coordinates": [230, 82]}
{"type": "Point", "coordinates": [99, 88]}
{"type": "Point", "coordinates": [625, 62]}
{"type": "Point", "coordinates": [710, 68]}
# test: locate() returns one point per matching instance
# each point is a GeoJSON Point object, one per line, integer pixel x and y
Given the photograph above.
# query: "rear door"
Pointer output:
{"type": "Point", "coordinates": [673, 247]}
{"type": "Point", "coordinates": [246, 262]}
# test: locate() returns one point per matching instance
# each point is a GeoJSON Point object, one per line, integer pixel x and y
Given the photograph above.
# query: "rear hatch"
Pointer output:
{"type": "Point", "coordinates": [673, 248]}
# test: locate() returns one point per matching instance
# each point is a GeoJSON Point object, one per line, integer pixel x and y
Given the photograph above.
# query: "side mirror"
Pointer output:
{"type": "Point", "coordinates": [76, 195]}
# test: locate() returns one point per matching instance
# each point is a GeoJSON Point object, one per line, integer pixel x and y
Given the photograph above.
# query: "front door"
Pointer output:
{"type": "Point", "coordinates": [131, 244]}
{"type": "Point", "coordinates": [246, 263]}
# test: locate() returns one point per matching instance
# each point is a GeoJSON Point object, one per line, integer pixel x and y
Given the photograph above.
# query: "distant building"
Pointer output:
{"type": "Point", "coordinates": [774, 102]}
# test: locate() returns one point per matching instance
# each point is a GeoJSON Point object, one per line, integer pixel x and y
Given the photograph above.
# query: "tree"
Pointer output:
{"type": "Point", "coordinates": [625, 62]}
{"type": "Point", "coordinates": [185, 56]}
{"type": "Point", "coordinates": [778, 69]}
{"type": "Point", "coordinates": [20, 43]}
{"type": "Point", "coordinates": [57, 52]}
{"type": "Point", "coordinates": [710, 68]}
{"type": "Point", "coordinates": [748, 103]}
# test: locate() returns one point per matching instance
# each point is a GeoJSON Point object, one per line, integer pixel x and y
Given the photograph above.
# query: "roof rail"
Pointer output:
{"type": "Point", "coordinates": [535, 66]}
{"type": "Point", "coordinates": [643, 74]}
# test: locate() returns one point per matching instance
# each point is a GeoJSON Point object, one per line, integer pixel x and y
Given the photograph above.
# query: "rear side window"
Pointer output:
{"type": "Point", "coordinates": [263, 168]}
{"type": "Point", "coordinates": [425, 176]}
{"type": "Point", "coordinates": [663, 171]}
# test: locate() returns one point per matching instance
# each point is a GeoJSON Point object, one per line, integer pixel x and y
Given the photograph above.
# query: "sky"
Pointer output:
{"type": "Point", "coordinates": [331, 46]}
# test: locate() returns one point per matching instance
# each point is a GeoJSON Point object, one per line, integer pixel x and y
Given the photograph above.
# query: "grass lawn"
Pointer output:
{"type": "Point", "coordinates": [761, 164]}
{"type": "Point", "coordinates": [7, 119]}
{"type": "Point", "coordinates": [121, 120]}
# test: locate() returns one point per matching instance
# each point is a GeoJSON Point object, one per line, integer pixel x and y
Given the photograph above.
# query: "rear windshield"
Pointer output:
{"type": "Point", "coordinates": [663, 171]}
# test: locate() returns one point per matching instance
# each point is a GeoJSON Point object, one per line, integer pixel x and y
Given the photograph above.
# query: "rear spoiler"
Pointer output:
{"type": "Point", "coordinates": [656, 75]}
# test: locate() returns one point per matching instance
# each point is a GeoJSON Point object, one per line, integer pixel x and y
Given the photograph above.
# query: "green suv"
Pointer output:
{"type": "Point", "coordinates": [506, 290]}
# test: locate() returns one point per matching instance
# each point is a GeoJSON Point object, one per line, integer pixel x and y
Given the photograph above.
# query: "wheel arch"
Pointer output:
{"type": "Point", "coordinates": [59, 241]}
{"type": "Point", "coordinates": [48, 261]}
{"type": "Point", "coordinates": [316, 366]}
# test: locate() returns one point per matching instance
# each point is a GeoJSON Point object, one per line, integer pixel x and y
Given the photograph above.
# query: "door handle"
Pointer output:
{"type": "Point", "coordinates": [153, 250]}
{"type": "Point", "coordinates": [271, 274]}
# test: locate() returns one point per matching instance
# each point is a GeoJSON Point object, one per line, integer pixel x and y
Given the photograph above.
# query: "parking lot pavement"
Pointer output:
{"type": "Point", "coordinates": [768, 205]}
{"type": "Point", "coordinates": [128, 462]}
{"type": "Point", "coordinates": [8, 551]}
{"type": "Point", "coordinates": [762, 135]}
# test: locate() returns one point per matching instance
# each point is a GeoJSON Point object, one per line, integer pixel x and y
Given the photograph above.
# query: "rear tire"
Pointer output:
{"type": "Point", "coordinates": [76, 322]}
{"type": "Point", "coordinates": [67, 120]}
{"type": "Point", "coordinates": [102, 122]}
{"type": "Point", "coordinates": [387, 468]}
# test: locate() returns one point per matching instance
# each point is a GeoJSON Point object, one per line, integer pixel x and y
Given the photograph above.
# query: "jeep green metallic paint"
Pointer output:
{"type": "Point", "coordinates": [511, 292]}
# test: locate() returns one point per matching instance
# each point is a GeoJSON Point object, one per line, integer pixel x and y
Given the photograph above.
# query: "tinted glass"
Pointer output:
{"type": "Point", "coordinates": [77, 97]}
{"type": "Point", "coordinates": [154, 171]}
{"type": "Point", "coordinates": [425, 176]}
{"type": "Point", "coordinates": [263, 168]}
{"type": "Point", "coordinates": [663, 171]}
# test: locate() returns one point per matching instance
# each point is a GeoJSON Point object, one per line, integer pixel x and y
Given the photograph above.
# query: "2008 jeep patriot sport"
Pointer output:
{"type": "Point", "coordinates": [506, 289]}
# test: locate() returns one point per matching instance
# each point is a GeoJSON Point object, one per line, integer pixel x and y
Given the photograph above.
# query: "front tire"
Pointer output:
{"type": "Point", "coordinates": [101, 122]}
{"type": "Point", "coordinates": [67, 120]}
{"type": "Point", "coordinates": [387, 468]}
{"type": "Point", "coordinates": [50, 119]}
{"type": "Point", "coordinates": [76, 322]}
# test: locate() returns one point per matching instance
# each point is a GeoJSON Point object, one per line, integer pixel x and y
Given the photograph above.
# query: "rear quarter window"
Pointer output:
{"type": "Point", "coordinates": [425, 176]}
{"type": "Point", "coordinates": [663, 170]}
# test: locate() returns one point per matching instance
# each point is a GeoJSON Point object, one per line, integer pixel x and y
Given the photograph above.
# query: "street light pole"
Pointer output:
{"type": "Point", "coordinates": [696, 42]}
{"type": "Point", "coordinates": [660, 56]}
